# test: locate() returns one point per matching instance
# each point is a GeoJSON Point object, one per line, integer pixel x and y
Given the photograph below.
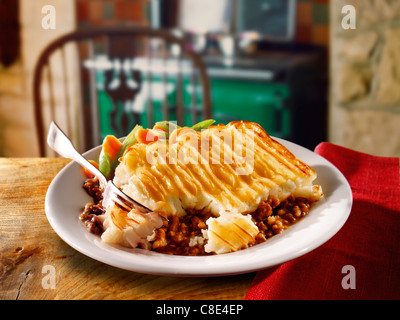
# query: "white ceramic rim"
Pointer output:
{"type": "Point", "coordinates": [65, 199]}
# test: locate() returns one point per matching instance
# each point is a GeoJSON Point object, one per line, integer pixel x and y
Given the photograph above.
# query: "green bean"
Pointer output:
{"type": "Point", "coordinates": [164, 125]}
{"type": "Point", "coordinates": [167, 126]}
{"type": "Point", "coordinates": [128, 141]}
{"type": "Point", "coordinates": [104, 163]}
{"type": "Point", "coordinates": [203, 124]}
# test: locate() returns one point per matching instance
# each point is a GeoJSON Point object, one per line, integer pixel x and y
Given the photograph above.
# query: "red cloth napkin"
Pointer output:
{"type": "Point", "coordinates": [365, 253]}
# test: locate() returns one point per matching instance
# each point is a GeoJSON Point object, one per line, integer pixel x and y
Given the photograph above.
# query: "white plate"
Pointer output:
{"type": "Point", "coordinates": [65, 199]}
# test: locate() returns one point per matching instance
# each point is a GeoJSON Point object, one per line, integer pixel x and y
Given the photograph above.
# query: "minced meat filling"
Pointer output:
{"type": "Point", "coordinates": [92, 210]}
{"type": "Point", "coordinates": [183, 236]}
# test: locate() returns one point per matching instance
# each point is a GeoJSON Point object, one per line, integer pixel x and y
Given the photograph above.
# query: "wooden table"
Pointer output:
{"type": "Point", "coordinates": [31, 251]}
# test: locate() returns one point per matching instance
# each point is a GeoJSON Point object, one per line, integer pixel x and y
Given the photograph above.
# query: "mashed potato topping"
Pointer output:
{"type": "Point", "coordinates": [230, 232]}
{"type": "Point", "coordinates": [215, 179]}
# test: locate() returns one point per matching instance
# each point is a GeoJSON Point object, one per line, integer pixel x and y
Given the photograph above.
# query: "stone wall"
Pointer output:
{"type": "Point", "coordinates": [365, 77]}
{"type": "Point", "coordinates": [17, 129]}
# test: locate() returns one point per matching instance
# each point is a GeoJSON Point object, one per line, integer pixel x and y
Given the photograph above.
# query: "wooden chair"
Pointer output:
{"type": "Point", "coordinates": [102, 81]}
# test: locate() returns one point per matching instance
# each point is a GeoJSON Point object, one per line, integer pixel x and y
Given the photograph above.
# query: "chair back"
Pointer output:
{"type": "Point", "coordinates": [95, 82]}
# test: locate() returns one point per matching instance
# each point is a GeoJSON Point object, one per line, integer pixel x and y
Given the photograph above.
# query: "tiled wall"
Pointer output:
{"type": "Point", "coordinates": [312, 16]}
{"type": "Point", "coordinates": [313, 22]}
{"type": "Point", "coordinates": [107, 13]}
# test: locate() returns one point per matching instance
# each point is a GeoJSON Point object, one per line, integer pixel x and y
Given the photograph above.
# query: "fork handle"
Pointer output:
{"type": "Point", "coordinates": [60, 143]}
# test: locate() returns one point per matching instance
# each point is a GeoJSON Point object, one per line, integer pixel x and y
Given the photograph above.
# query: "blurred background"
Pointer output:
{"type": "Point", "coordinates": [289, 65]}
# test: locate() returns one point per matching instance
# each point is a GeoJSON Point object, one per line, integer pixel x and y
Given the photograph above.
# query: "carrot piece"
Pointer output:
{"type": "Point", "coordinates": [157, 127]}
{"type": "Point", "coordinates": [174, 135]}
{"type": "Point", "coordinates": [86, 172]}
{"type": "Point", "coordinates": [145, 136]}
{"type": "Point", "coordinates": [111, 146]}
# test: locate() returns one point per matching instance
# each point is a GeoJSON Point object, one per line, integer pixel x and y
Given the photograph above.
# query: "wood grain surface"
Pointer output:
{"type": "Point", "coordinates": [30, 250]}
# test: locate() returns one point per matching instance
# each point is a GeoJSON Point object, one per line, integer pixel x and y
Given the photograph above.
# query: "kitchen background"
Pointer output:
{"type": "Point", "coordinates": [327, 83]}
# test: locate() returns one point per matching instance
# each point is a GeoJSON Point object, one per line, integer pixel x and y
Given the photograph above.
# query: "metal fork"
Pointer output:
{"type": "Point", "coordinates": [60, 143]}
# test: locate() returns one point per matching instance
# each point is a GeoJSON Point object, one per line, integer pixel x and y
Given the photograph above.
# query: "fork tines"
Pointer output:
{"type": "Point", "coordinates": [124, 201]}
